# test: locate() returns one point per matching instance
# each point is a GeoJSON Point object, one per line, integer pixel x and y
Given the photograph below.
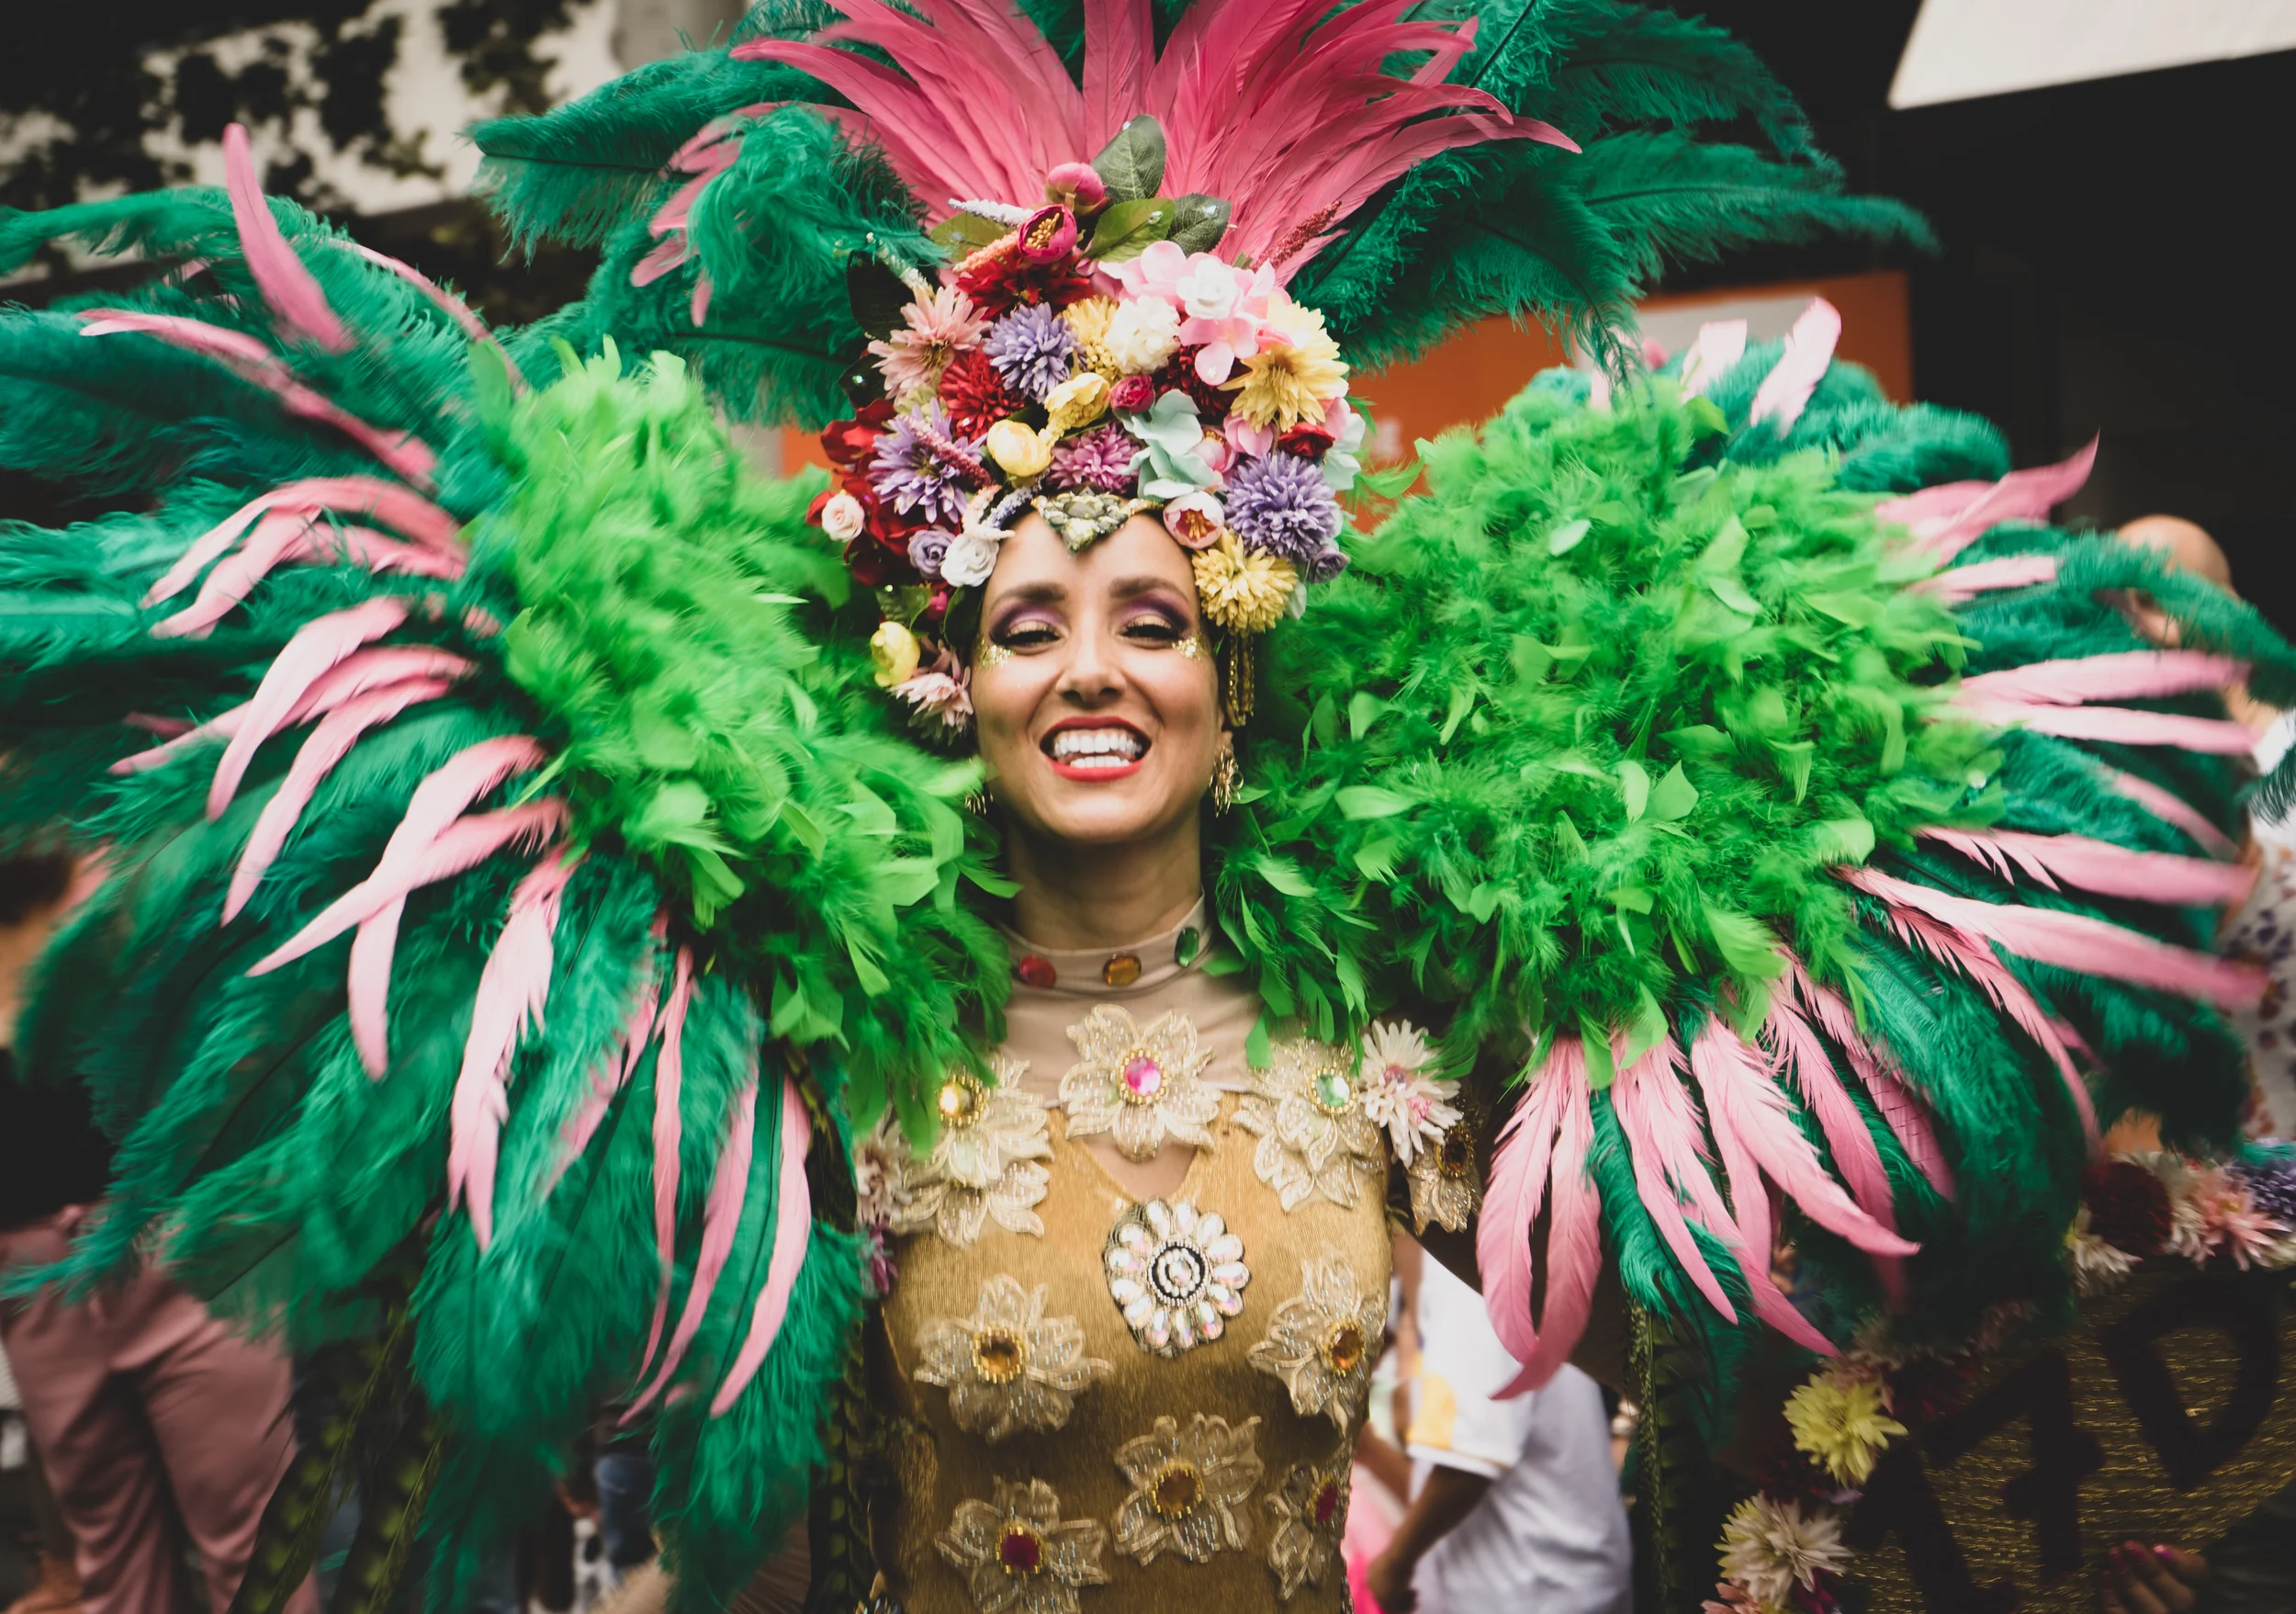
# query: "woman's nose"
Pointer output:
{"type": "Point", "coordinates": [1091, 677]}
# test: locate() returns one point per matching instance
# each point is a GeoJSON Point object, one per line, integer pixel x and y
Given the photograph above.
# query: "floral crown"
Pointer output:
{"type": "Point", "coordinates": [1088, 360]}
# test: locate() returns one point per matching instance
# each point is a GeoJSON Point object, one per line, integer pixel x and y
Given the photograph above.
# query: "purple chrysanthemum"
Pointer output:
{"type": "Point", "coordinates": [1030, 348]}
{"type": "Point", "coordinates": [1100, 459]}
{"type": "Point", "coordinates": [1281, 504]}
{"type": "Point", "coordinates": [922, 465]}
{"type": "Point", "coordinates": [2271, 1186]}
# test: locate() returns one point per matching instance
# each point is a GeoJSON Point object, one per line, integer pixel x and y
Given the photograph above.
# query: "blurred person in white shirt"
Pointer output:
{"type": "Point", "coordinates": [1513, 1504]}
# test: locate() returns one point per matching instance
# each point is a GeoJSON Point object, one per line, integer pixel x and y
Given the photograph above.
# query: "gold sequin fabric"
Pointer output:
{"type": "Point", "coordinates": [1210, 1431]}
{"type": "Point", "coordinates": [1324, 1341]}
{"type": "Point", "coordinates": [1315, 1142]}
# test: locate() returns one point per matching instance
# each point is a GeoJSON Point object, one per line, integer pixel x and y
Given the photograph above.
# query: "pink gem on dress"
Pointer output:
{"type": "Point", "coordinates": [1144, 1078]}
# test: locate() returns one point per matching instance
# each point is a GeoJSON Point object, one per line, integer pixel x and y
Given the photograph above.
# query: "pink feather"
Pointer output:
{"type": "Point", "coordinates": [793, 1228]}
{"type": "Point", "coordinates": [1120, 51]}
{"type": "Point", "coordinates": [1803, 1057]}
{"type": "Point", "coordinates": [251, 361]}
{"type": "Point", "coordinates": [453, 307]}
{"type": "Point", "coordinates": [1959, 584]}
{"type": "Point", "coordinates": [1574, 1238]}
{"type": "Point", "coordinates": [1654, 1112]}
{"type": "Point", "coordinates": [2120, 675]}
{"type": "Point", "coordinates": [1893, 1096]}
{"type": "Point", "coordinates": [668, 1078]}
{"type": "Point", "coordinates": [271, 540]}
{"type": "Point", "coordinates": [513, 990]}
{"type": "Point", "coordinates": [319, 645]}
{"type": "Point", "coordinates": [2116, 725]}
{"type": "Point", "coordinates": [2171, 808]}
{"type": "Point", "coordinates": [374, 946]}
{"type": "Point", "coordinates": [1947, 519]}
{"type": "Point", "coordinates": [1719, 345]}
{"type": "Point", "coordinates": [2076, 942]}
{"type": "Point", "coordinates": [286, 286]}
{"type": "Point", "coordinates": [721, 1219]}
{"type": "Point", "coordinates": [329, 743]}
{"type": "Point", "coordinates": [436, 804]}
{"type": "Point", "coordinates": [401, 509]}
{"type": "Point", "coordinates": [1742, 1099]}
{"type": "Point", "coordinates": [614, 1072]}
{"type": "Point", "coordinates": [1973, 958]}
{"type": "Point", "coordinates": [2100, 865]}
{"type": "Point", "coordinates": [1809, 353]}
{"type": "Point", "coordinates": [1512, 1199]}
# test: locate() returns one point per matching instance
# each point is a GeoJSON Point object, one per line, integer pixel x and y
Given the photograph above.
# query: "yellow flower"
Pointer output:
{"type": "Point", "coordinates": [1023, 452]}
{"type": "Point", "coordinates": [1077, 401]}
{"type": "Point", "coordinates": [1242, 591]}
{"type": "Point", "coordinates": [1843, 1424]}
{"type": "Point", "coordinates": [894, 650]}
{"type": "Point", "coordinates": [1089, 321]}
{"type": "Point", "coordinates": [1292, 382]}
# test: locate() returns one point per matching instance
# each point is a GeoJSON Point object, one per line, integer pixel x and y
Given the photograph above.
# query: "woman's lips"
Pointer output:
{"type": "Point", "coordinates": [1095, 752]}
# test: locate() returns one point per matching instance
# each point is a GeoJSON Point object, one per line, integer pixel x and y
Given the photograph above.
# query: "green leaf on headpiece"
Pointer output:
{"type": "Point", "coordinates": [1129, 229]}
{"type": "Point", "coordinates": [877, 294]}
{"type": "Point", "coordinates": [962, 234]}
{"type": "Point", "coordinates": [1198, 221]}
{"type": "Point", "coordinates": [1131, 165]}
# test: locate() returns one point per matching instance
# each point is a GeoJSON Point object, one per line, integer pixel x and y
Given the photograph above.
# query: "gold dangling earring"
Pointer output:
{"type": "Point", "coordinates": [1225, 777]}
{"type": "Point", "coordinates": [976, 802]}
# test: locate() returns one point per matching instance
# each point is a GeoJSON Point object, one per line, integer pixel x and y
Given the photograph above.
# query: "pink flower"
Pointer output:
{"type": "Point", "coordinates": [1226, 308]}
{"type": "Point", "coordinates": [1155, 273]}
{"type": "Point", "coordinates": [1050, 233]}
{"type": "Point", "coordinates": [2219, 1217]}
{"type": "Point", "coordinates": [1247, 438]}
{"type": "Point", "coordinates": [1133, 394]}
{"type": "Point", "coordinates": [1195, 519]}
{"type": "Point", "coordinates": [934, 332]}
{"type": "Point", "coordinates": [1078, 184]}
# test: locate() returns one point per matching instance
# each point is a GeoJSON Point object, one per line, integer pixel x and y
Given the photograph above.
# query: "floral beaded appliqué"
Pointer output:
{"type": "Point", "coordinates": [1007, 1366]}
{"type": "Point", "coordinates": [1322, 1341]}
{"type": "Point", "coordinates": [1314, 1137]}
{"type": "Point", "coordinates": [1177, 1275]}
{"type": "Point", "coordinates": [1015, 1554]}
{"type": "Point", "coordinates": [983, 1167]}
{"type": "Point", "coordinates": [1189, 1487]}
{"type": "Point", "coordinates": [1140, 1086]}
{"type": "Point", "coordinates": [1309, 1513]}
{"type": "Point", "coordinates": [1446, 1186]}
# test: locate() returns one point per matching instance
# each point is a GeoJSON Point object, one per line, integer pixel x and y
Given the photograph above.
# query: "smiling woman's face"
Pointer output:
{"type": "Point", "coordinates": [1095, 689]}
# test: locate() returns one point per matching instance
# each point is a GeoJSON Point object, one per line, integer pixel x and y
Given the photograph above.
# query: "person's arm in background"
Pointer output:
{"type": "Point", "coordinates": [1441, 1506]}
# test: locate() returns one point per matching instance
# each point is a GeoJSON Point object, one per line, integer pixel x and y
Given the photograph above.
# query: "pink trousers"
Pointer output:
{"type": "Point", "coordinates": [158, 1426]}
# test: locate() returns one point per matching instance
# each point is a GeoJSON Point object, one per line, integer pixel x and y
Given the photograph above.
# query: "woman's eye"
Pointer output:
{"type": "Point", "coordinates": [1025, 636]}
{"type": "Point", "coordinates": [1154, 630]}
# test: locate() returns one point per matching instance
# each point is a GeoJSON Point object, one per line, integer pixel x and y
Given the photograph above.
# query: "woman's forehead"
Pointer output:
{"type": "Point", "coordinates": [1137, 556]}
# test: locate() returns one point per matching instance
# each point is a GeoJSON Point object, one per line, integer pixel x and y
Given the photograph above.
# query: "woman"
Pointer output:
{"type": "Point", "coordinates": [1626, 777]}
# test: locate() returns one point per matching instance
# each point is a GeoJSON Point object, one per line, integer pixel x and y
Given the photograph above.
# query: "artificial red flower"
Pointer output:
{"type": "Point", "coordinates": [1309, 441]}
{"type": "Point", "coordinates": [1212, 403]}
{"type": "Point", "coordinates": [850, 442]}
{"type": "Point", "coordinates": [975, 396]}
{"type": "Point", "coordinates": [1000, 278]}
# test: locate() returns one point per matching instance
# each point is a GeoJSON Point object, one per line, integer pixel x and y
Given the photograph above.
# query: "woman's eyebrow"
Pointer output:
{"type": "Point", "coordinates": [1049, 592]}
{"type": "Point", "coordinates": [1132, 588]}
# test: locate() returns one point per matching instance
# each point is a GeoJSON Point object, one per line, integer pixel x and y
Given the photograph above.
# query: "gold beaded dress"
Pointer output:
{"type": "Point", "coordinates": [1141, 1283]}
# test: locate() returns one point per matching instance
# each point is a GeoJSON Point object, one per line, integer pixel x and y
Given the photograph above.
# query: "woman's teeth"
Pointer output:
{"type": "Point", "coordinates": [1098, 748]}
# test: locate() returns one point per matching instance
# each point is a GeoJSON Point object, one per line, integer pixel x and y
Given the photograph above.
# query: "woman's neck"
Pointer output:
{"type": "Point", "coordinates": [1073, 898]}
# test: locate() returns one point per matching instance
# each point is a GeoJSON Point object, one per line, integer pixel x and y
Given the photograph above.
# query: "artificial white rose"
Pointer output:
{"type": "Point", "coordinates": [971, 555]}
{"type": "Point", "coordinates": [1144, 333]}
{"type": "Point", "coordinates": [842, 517]}
{"type": "Point", "coordinates": [1209, 289]}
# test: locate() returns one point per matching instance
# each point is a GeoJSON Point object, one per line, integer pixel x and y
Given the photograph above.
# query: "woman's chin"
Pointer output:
{"type": "Point", "coordinates": [1101, 810]}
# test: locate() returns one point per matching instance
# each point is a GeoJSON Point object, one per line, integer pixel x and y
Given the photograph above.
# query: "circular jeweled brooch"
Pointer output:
{"type": "Point", "coordinates": [1176, 1273]}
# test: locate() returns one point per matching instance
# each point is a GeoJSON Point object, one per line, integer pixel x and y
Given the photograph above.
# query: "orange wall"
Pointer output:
{"type": "Point", "coordinates": [1473, 374]}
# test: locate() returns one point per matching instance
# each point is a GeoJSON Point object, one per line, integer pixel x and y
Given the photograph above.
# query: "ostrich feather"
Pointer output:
{"type": "Point", "coordinates": [513, 991]}
{"type": "Point", "coordinates": [721, 1219]}
{"type": "Point", "coordinates": [793, 1230]}
{"type": "Point", "coordinates": [453, 307]}
{"type": "Point", "coordinates": [2112, 725]}
{"type": "Point", "coordinates": [1654, 1112]}
{"type": "Point", "coordinates": [1948, 518]}
{"type": "Point", "coordinates": [615, 1066]}
{"type": "Point", "coordinates": [1809, 353]}
{"type": "Point", "coordinates": [1803, 1057]}
{"type": "Point", "coordinates": [2092, 864]}
{"type": "Point", "coordinates": [2075, 941]}
{"type": "Point", "coordinates": [294, 296]}
{"type": "Point", "coordinates": [2120, 675]}
{"type": "Point", "coordinates": [319, 644]}
{"type": "Point", "coordinates": [1901, 1112]}
{"type": "Point", "coordinates": [1973, 958]}
{"type": "Point", "coordinates": [1574, 1238]}
{"type": "Point", "coordinates": [668, 1074]}
{"type": "Point", "coordinates": [1512, 1199]}
{"type": "Point", "coordinates": [327, 744]}
{"type": "Point", "coordinates": [2171, 808]}
{"type": "Point", "coordinates": [403, 453]}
